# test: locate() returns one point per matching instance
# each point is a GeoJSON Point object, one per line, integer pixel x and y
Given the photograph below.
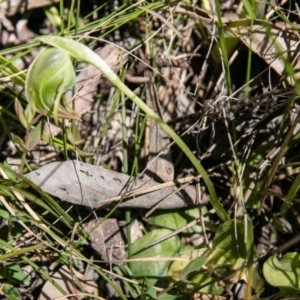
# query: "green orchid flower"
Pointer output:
{"type": "Point", "coordinates": [49, 77]}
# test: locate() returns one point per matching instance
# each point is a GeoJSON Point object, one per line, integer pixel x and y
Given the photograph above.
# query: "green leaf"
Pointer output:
{"type": "Point", "coordinates": [201, 279]}
{"type": "Point", "coordinates": [20, 113]}
{"type": "Point", "coordinates": [18, 141]}
{"type": "Point", "coordinates": [258, 283]}
{"type": "Point", "coordinates": [12, 272]}
{"type": "Point", "coordinates": [194, 266]}
{"type": "Point", "coordinates": [230, 237]}
{"type": "Point", "coordinates": [177, 219]}
{"type": "Point", "coordinates": [4, 214]}
{"type": "Point", "coordinates": [151, 292]}
{"type": "Point", "coordinates": [12, 176]}
{"type": "Point", "coordinates": [291, 194]}
{"type": "Point", "coordinates": [29, 113]}
{"type": "Point", "coordinates": [249, 8]}
{"type": "Point", "coordinates": [155, 269]}
{"type": "Point", "coordinates": [283, 273]}
{"type": "Point", "coordinates": [11, 292]}
{"type": "Point", "coordinates": [52, 15]}
{"type": "Point", "coordinates": [34, 136]}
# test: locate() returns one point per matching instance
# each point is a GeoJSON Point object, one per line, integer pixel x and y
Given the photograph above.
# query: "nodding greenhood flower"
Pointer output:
{"type": "Point", "coordinates": [50, 75]}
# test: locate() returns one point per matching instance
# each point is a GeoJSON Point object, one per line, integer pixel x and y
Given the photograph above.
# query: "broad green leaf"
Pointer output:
{"type": "Point", "coordinates": [83, 53]}
{"type": "Point", "coordinates": [249, 239]}
{"type": "Point", "coordinates": [216, 262]}
{"type": "Point", "coordinates": [11, 292]}
{"type": "Point", "coordinates": [13, 272]}
{"type": "Point", "coordinates": [236, 237]}
{"type": "Point", "coordinates": [177, 219]}
{"type": "Point", "coordinates": [154, 269]}
{"type": "Point", "coordinates": [4, 215]}
{"type": "Point", "coordinates": [151, 292]}
{"type": "Point", "coordinates": [283, 273]}
{"type": "Point", "coordinates": [230, 237]}
{"type": "Point", "coordinates": [258, 283]}
{"type": "Point", "coordinates": [194, 266]}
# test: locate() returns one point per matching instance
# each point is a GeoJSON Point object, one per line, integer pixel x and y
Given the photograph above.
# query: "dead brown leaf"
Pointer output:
{"type": "Point", "coordinates": [88, 185]}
